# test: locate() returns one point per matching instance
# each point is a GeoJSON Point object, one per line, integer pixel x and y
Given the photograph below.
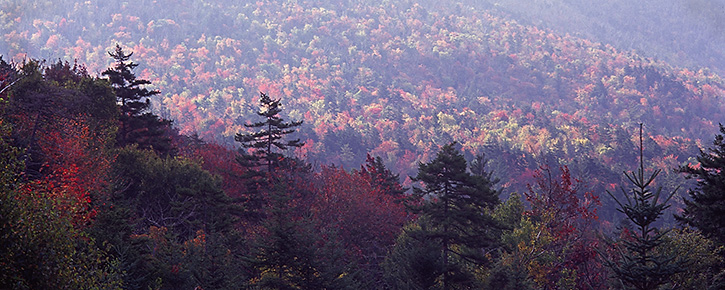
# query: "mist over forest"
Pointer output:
{"type": "Point", "coordinates": [129, 123]}
{"type": "Point", "coordinates": [682, 33]}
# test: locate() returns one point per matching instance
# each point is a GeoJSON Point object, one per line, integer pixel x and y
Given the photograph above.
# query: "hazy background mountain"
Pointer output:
{"type": "Point", "coordinates": [685, 33]}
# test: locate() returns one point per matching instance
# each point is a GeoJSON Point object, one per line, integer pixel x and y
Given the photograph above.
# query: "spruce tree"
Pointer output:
{"type": "Point", "coordinates": [639, 264]}
{"type": "Point", "coordinates": [133, 98]}
{"type": "Point", "coordinates": [457, 207]}
{"type": "Point", "coordinates": [271, 131]}
{"type": "Point", "coordinates": [137, 124]}
{"type": "Point", "coordinates": [705, 208]}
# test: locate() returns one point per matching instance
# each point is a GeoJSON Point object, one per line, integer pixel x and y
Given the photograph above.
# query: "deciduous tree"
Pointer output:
{"type": "Point", "coordinates": [554, 242]}
{"type": "Point", "coordinates": [366, 220]}
{"type": "Point", "coordinates": [291, 253]}
{"type": "Point", "coordinates": [42, 248]}
{"type": "Point", "coordinates": [380, 177]}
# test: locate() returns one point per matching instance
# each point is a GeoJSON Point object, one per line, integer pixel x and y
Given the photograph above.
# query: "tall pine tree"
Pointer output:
{"type": "Point", "coordinates": [137, 124]}
{"type": "Point", "coordinates": [457, 207]}
{"type": "Point", "coordinates": [264, 144]}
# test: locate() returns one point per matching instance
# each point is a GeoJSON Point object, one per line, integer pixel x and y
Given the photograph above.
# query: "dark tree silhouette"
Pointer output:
{"type": "Point", "coordinates": [137, 124]}
{"type": "Point", "coordinates": [381, 178]}
{"type": "Point", "coordinates": [457, 212]}
{"type": "Point", "coordinates": [705, 209]}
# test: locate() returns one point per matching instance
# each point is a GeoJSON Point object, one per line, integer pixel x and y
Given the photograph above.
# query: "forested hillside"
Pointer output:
{"type": "Point", "coordinates": [395, 79]}
{"type": "Point", "coordinates": [126, 134]}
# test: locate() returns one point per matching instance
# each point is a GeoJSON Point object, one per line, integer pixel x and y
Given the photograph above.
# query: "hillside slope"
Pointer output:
{"type": "Point", "coordinates": [394, 79]}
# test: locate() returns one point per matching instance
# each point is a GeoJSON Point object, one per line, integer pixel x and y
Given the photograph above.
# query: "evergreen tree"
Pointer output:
{"type": "Point", "coordinates": [272, 130]}
{"type": "Point", "coordinates": [705, 209]}
{"type": "Point", "coordinates": [639, 264]}
{"type": "Point", "coordinates": [478, 167]}
{"type": "Point", "coordinates": [137, 124]}
{"type": "Point", "coordinates": [133, 98]}
{"type": "Point", "coordinates": [174, 202]}
{"type": "Point", "coordinates": [457, 206]}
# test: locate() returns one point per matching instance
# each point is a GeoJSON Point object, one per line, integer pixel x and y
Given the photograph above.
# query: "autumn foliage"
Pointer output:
{"type": "Point", "coordinates": [565, 216]}
{"type": "Point", "coordinates": [101, 199]}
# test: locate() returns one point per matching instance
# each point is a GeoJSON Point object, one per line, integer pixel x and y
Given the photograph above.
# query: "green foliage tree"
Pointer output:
{"type": "Point", "coordinates": [510, 270]}
{"type": "Point", "coordinates": [59, 91]}
{"type": "Point", "coordinates": [291, 254]}
{"type": "Point", "coordinates": [170, 204]}
{"type": "Point", "coordinates": [705, 208]}
{"type": "Point", "coordinates": [137, 124]}
{"type": "Point", "coordinates": [270, 134]}
{"type": "Point", "coordinates": [458, 207]}
{"type": "Point", "coordinates": [637, 264]}
{"type": "Point", "coordinates": [415, 262]}
{"type": "Point", "coordinates": [43, 101]}
{"type": "Point", "coordinates": [171, 192]}
{"type": "Point", "coordinates": [93, 97]}
{"type": "Point", "coordinates": [704, 270]}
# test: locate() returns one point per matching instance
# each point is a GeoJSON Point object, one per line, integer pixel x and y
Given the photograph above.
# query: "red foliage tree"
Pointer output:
{"type": "Point", "coordinates": [76, 169]}
{"type": "Point", "coordinates": [220, 161]}
{"type": "Point", "coordinates": [366, 219]}
{"type": "Point", "coordinates": [569, 216]}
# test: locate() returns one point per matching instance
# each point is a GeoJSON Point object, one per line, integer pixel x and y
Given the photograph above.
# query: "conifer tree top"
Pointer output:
{"type": "Point", "coordinates": [131, 95]}
{"type": "Point", "coordinates": [639, 265]}
{"type": "Point", "coordinates": [272, 129]}
{"type": "Point", "coordinates": [456, 210]}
